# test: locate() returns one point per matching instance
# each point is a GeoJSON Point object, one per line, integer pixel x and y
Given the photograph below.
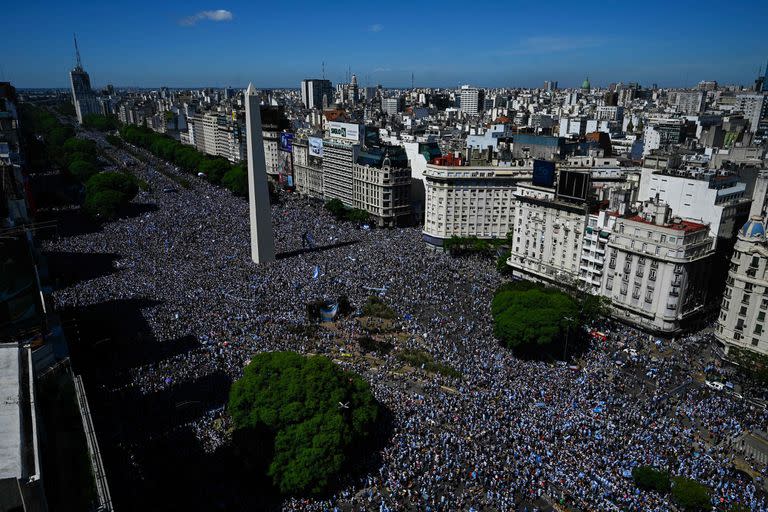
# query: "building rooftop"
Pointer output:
{"type": "Point", "coordinates": [680, 225]}
{"type": "Point", "coordinates": [10, 412]}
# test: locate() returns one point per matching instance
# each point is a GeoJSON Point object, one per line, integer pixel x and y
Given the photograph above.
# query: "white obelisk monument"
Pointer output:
{"type": "Point", "coordinates": [262, 240]}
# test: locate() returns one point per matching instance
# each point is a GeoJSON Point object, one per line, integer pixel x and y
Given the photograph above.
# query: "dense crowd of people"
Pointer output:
{"type": "Point", "coordinates": [505, 434]}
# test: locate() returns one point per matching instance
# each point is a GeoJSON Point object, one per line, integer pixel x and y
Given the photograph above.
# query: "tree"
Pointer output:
{"type": "Point", "coordinates": [315, 415]}
{"type": "Point", "coordinates": [236, 180]}
{"type": "Point", "coordinates": [100, 122]}
{"type": "Point", "coordinates": [124, 183]}
{"type": "Point", "coordinates": [103, 204]}
{"type": "Point", "coordinates": [527, 315]}
{"type": "Point", "coordinates": [690, 494]}
{"type": "Point", "coordinates": [336, 207]}
{"type": "Point", "coordinates": [82, 170]}
{"type": "Point", "coordinates": [650, 479]}
{"type": "Point", "coordinates": [358, 215]}
{"type": "Point", "coordinates": [214, 168]}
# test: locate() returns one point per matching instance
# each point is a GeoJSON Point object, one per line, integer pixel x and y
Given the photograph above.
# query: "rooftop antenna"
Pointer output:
{"type": "Point", "coordinates": [323, 70]}
{"type": "Point", "coordinates": [77, 52]}
{"type": "Point", "coordinates": [411, 80]}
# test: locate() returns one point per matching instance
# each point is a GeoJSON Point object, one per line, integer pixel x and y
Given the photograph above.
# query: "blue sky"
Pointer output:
{"type": "Point", "coordinates": [276, 44]}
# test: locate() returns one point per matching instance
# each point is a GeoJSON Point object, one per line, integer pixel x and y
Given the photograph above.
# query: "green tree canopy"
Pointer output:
{"type": "Point", "coordinates": [318, 414]}
{"type": "Point", "coordinates": [336, 207]}
{"type": "Point", "coordinates": [214, 168]}
{"type": "Point", "coordinates": [236, 180]}
{"type": "Point", "coordinates": [75, 145]}
{"type": "Point", "coordinates": [82, 170]}
{"type": "Point", "coordinates": [651, 479]}
{"type": "Point", "coordinates": [122, 182]}
{"type": "Point", "coordinates": [104, 204]}
{"type": "Point", "coordinates": [690, 494]}
{"type": "Point", "coordinates": [100, 122]}
{"type": "Point", "coordinates": [527, 314]}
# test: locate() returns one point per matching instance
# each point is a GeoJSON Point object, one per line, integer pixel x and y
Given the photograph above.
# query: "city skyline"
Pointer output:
{"type": "Point", "coordinates": [216, 45]}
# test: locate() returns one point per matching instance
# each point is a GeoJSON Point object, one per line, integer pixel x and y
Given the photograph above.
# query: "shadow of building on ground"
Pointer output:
{"type": "Point", "coordinates": [68, 268]}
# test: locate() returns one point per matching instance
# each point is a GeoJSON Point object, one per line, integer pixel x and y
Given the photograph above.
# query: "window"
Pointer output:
{"type": "Point", "coordinates": [652, 275]}
{"type": "Point", "coordinates": [755, 341]}
{"type": "Point", "coordinates": [743, 311]}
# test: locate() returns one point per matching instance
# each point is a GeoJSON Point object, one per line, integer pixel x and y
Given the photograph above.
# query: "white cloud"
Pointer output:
{"type": "Point", "coordinates": [376, 27]}
{"type": "Point", "coordinates": [217, 15]}
{"type": "Point", "coordinates": [542, 45]}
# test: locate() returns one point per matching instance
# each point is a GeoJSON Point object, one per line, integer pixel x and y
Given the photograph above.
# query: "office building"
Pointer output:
{"type": "Point", "coordinates": [658, 268]}
{"type": "Point", "coordinates": [381, 184]}
{"type": "Point", "coordinates": [702, 196]}
{"type": "Point", "coordinates": [317, 93]}
{"type": "Point", "coordinates": [469, 201]}
{"type": "Point", "coordinates": [741, 326]}
{"type": "Point", "coordinates": [472, 100]}
{"type": "Point", "coordinates": [594, 243]}
{"type": "Point", "coordinates": [83, 96]}
{"type": "Point", "coordinates": [340, 150]}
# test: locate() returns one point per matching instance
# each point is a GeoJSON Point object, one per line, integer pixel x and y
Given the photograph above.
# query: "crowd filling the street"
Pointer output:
{"type": "Point", "coordinates": [502, 436]}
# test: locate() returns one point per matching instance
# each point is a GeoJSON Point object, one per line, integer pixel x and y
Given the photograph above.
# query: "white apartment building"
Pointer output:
{"type": "Point", "coordinates": [689, 102]}
{"type": "Point", "coordinates": [741, 326]}
{"type": "Point", "coordinates": [390, 106]}
{"type": "Point", "coordinates": [214, 134]}
{"type": "Point", "coordinates": [658, 268]}
{"type": "Point", "coordinates": [608, 113]}
{"type": "Point", "coordinates": [699, 196]}
{"type": "Point", "coordinates": [596, 236]}
{"type": "Point", "coordinates": [271, 145]}
{"type": "Point", "coordinates": [754, 106]}
{"type": "Point", "coordinates": [469, 201]}
{"type": "Point", "coordinates": [471, 100]}
{"type": "Point", "coordinates": [547, 236]}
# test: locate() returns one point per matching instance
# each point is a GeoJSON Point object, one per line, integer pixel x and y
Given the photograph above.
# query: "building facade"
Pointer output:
{"type": "Point", "coordinates": [381, 185]}
{"type": "Point", "coordinates": [658, 268]}
{"type": "Point", "coordinates": [469, 201]}
{"type": "Point", "coordinates": [741, 325]}
{"type": "Point", "coordinates": [547, 238]}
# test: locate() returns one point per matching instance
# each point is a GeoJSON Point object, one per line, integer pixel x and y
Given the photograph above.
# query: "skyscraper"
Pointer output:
{"type": "Point", "coordinates": [316, 93]}
{"type": "Point", "coordinates": [82, 94]}
{"type": "Point", "coordinates": [262, 241]}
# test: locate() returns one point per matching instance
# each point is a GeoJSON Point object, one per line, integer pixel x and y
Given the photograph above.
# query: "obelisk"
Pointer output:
{"type": "Point", "coordinates": [262, 240]}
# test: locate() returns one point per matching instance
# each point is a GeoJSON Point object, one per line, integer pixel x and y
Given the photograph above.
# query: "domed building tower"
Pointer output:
{"type": "Point", "coordinates": [741, 326]}
{"type": "Point", "coordinates": [586, 86]}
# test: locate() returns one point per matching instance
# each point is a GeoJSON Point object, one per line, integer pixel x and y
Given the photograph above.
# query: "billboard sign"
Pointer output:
{"type": "Point", "coordinates": [285, 169]}
{"type": "Point", "coordinates": [573, 185]}
{"type": "Point", "coordinates": [345, 131]}
{"type": "Point", "coordinates": [286, 142]}
{"type": "Point", "coordinates": [315, 146]}
{"type": "Point", "coordinates": [543, 173]}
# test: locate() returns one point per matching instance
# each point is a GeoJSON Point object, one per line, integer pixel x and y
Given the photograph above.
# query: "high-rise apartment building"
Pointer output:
{"type": "Point", "coordinates": [316, 93]}
{"type": "Point", "coordinates": [755, 108]}
{"type": "Point", "coordinates": [82, 95]}
{"type": "Point", "coordinates": [472, 100]}
{"type": "Point", "coordinates": [689, 102]}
